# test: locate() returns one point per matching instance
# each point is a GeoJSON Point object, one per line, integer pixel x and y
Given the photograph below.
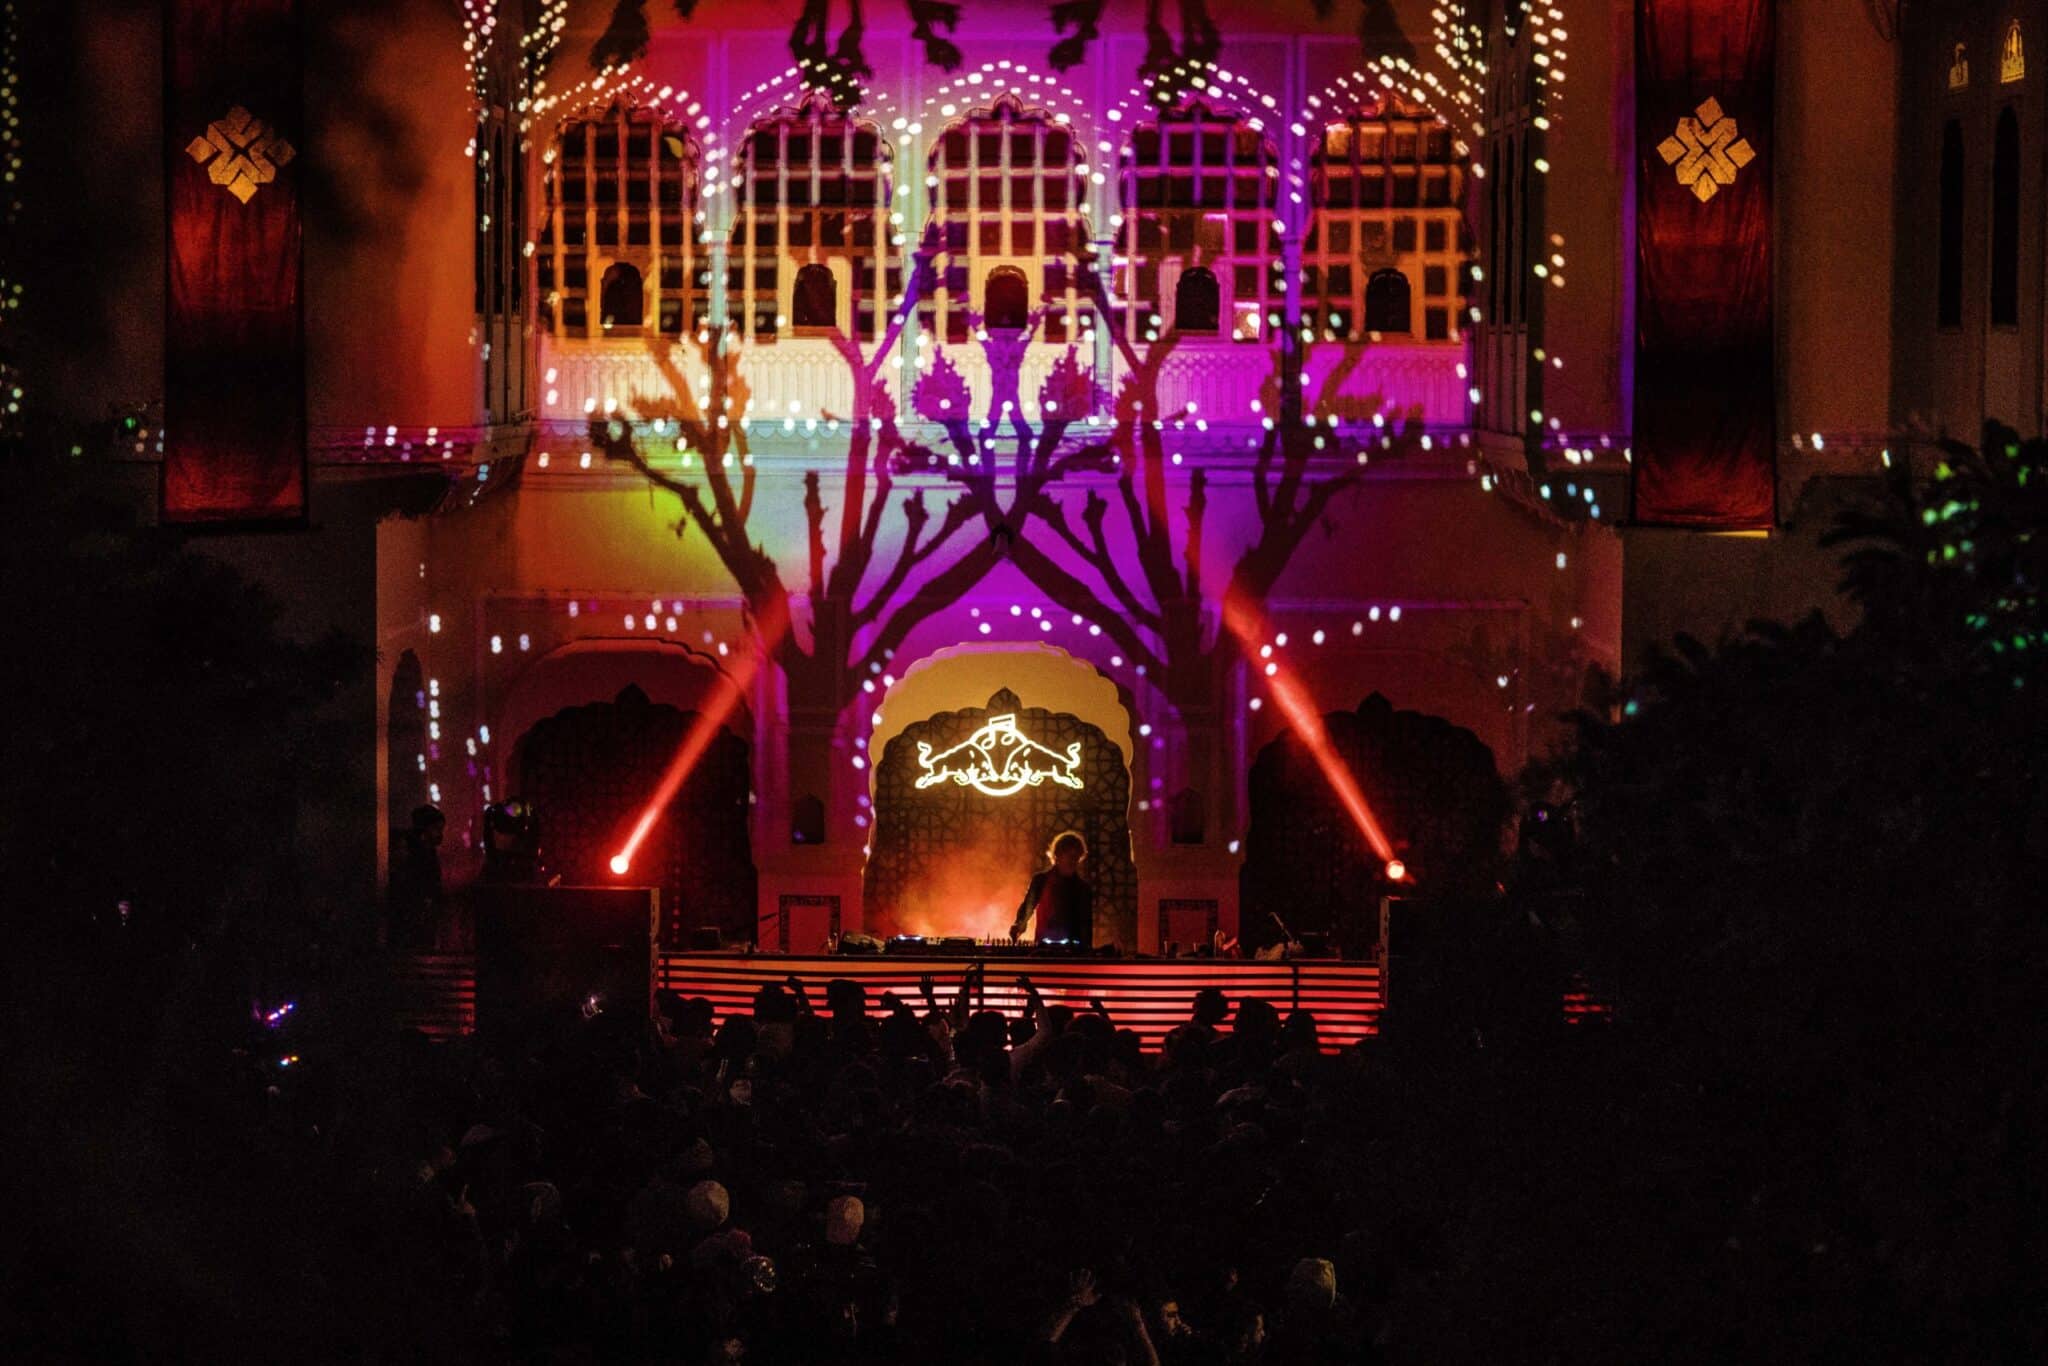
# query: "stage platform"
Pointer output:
{"type": "Point", "coordinates": [1150, 995]}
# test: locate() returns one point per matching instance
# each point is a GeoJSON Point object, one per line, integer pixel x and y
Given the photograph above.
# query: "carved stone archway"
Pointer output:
{"type": "Point", "coordinates": [589, 771]}
{"type": "Point", "coordinates": [595, 670]}
{"type": "Point", "coordinates": [586, 732]}
{"type": "Point", "coordinates": [1432, 785]}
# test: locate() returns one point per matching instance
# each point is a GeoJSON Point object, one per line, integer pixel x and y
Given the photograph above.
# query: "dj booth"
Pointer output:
{"type": "Point", "coordinates": [1149, 995]}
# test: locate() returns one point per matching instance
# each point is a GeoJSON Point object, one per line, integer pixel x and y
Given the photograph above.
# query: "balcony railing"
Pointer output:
{"type": "Point", "coordinates": [806, 377]}
{"type": "Point", "coordinates": [1222, 380]}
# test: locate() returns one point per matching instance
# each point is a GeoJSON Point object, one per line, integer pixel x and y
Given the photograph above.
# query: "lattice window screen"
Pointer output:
{"type": "Point", "coordinates": [622, 187]}
{"type": "Point", "coordinates": [1005, 192]}
{"type": "Point", "coordinates": [1199, 188]}
{"type": "Point", "coordinates": [815, 189]}
{"type": "Point", "coordinates": [1389, 193]}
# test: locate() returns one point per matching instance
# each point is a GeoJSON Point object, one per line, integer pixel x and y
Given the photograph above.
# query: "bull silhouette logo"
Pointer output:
{"type": "Point", "coordinates": [999, 760]}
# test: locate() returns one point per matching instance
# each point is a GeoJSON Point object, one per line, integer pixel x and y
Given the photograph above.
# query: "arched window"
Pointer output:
{"type": "Point", "coordinates": [1494, 237]}
{"type": "Point", "coordinates": [1006, 299]}
{"type": "Point", "coordinates": [1523, 158]}
{"type": "Point", "coordinates": [1948, 308]}
{"type": "Point", "coordinates": [1386, 303]}
{"type": "Point", "coordinates": [622, 299]}
{"type": "Point", "coordinates": [1197, 304]}
{"type": "Point", "coordinates": [816, 302]}
{"type": "Point", "coordinates": [1505, 267]}
{"type": "Point", "coordinates": [1006, 187]}
{"type": "Point", "coordinates": [621, 185]}
{"type": "Point", "coordinates": [814, 190]}
{"type": "Point", "coordinates": [2005, 222]}
{"type": "Point", "coordinates": [500, 208]}
{"type": "Point", "coordinates": [806, 820]}
{"type": "Point", "coordinates": [1198, 187]}
{"type": "Point", "coordinates": [1389, 192]}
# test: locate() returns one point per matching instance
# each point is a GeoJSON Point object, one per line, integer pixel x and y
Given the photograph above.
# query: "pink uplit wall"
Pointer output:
{"type": "Point", "coordinates": [1442, 596]}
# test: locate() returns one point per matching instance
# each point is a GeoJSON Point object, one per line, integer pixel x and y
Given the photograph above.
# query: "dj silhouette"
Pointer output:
{"type": "Point", "coordinates": [1060, 898]}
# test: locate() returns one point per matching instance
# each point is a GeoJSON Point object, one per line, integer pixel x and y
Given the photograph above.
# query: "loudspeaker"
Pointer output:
{"type": "Point", "coordinates": [1403, 927]}
{"type": "Point", "coordinates": [545, 951]}
{"type": "Point", "coordinates": [706, 939]}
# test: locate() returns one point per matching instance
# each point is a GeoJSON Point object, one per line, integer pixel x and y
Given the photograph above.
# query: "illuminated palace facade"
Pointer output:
{"type": "Point", "coordinates": [943, 457]}
{"type": "Point", "coordinates": [965, 283]}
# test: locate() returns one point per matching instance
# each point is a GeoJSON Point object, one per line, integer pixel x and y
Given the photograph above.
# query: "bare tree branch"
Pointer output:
{"type": "Point", "coordinates": [1197, 510]}
{"type": "Point", "coordinates": [1076, 596]}
{"type": "Point", "coordinates": [814, 523]}
{"type": "Point", "coordinates": [941, 591]}
{"type": "Point", "coordinates": [720, 505]}
{"type": "Point", "coordinates": [959, 512]}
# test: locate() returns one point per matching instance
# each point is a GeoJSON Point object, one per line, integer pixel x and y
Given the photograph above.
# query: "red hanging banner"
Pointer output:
{"type": "Point", "coordinates": [234, 338]}
{"type": "Point", "coordinates": [1705, 406]}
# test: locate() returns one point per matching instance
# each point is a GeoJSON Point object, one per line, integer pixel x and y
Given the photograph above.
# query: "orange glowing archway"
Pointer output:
{"type": "Point", "coordinates": [976, 758]}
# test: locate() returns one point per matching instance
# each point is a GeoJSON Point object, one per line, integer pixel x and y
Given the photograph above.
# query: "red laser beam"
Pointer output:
{"type": "Point", "coordinates": [697, 740]}
{"type": "Point", "coordinates": [1243, 621]}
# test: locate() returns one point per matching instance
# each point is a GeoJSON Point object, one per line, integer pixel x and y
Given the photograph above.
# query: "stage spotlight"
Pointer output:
{"type": "Point", "coordinates": [1242, 618]}
{"type": "Point", "coordinates": [769, 631]}
{"type": "Point", "coordinates": [1397, 871]}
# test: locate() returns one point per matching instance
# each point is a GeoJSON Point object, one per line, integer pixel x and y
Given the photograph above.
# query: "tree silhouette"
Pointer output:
{"type": "Point", "coordinates": [1962, 548]}
{"type": "Point", "coordinates": [1089, 468]}
{"type": "Point", "coordinates": [1160, 622]}
{"type": "Point", "coordinates": [851, 631]}
{"type": "Point", "coordinates": [838, 65]}
{"type": "Point", "coordinates": [835, 66]}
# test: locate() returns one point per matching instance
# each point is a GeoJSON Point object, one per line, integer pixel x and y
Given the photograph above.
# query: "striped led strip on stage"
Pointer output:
{"type": "Point", "coordinates": [1150, 997]}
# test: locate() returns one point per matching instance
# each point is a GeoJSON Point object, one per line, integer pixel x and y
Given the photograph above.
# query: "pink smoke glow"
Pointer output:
{"type": "Point", "coordinates": [973, 891]}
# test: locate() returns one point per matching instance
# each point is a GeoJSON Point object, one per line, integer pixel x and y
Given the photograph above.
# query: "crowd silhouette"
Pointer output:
{"type": "Point", "coordinates": [810, 1182]}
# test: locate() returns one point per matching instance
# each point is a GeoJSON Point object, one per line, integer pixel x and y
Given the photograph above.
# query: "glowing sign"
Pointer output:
{"type": "Point", "coordinates": [999, 760]}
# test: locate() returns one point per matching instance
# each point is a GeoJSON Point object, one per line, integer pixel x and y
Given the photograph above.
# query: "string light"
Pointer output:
{"type": "Point", "coordinates": [1452, 85]}
{"type": "Point", "coordinates": [12, 389]}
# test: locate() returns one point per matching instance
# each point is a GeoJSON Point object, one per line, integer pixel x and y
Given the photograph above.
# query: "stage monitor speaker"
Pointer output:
{"type": "Point", "coordinates": [706, 939]}
{"type": "Point", "coordinates": [1402, 927]}
{"type": "Point", "coordinates": [544, 951]}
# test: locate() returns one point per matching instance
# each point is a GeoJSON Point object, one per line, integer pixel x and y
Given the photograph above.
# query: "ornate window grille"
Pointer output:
{"type": "Point", "coordinates": [1389, 194]}
{"type": "Point", "coordinates": [814, 191]}
{"type": "Point", "coordinates": [1198, 187]}
{"type": "Point", "coordinates": [1007, 193]}
{"type": "Point", "coordinates": [622, 192]}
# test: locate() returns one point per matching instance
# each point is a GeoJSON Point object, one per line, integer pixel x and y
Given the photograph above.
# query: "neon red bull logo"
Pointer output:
{"type": "Point", "coordinates": [999, 760]}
